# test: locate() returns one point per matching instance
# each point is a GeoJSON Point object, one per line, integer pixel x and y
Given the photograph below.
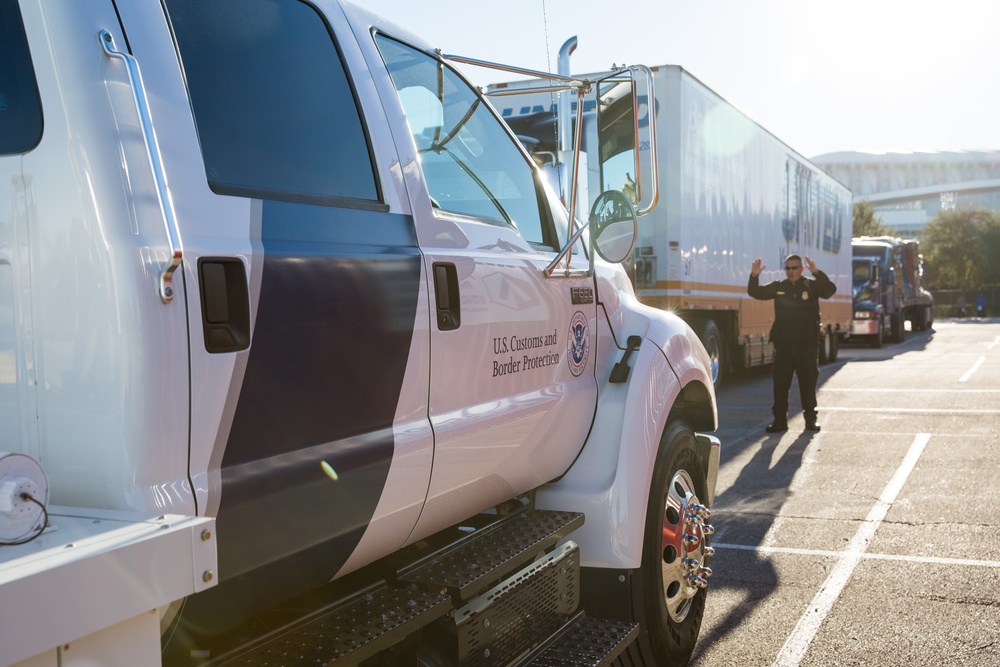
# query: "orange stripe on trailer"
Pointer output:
{"type": "Point", "coordinates": [687, 287]}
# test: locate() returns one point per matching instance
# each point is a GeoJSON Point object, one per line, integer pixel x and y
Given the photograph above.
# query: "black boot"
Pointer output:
{"type": "Point", "coordinates": [811, 423]}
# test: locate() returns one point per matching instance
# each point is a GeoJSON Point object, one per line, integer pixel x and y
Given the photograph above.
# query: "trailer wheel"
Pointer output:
{"type": "Point", "coordinates": [825, 346]}
{"type": "Point", "coordinates": [898, 328]}
{"type": "Point", "coordinates": [711, 338]}
{"type": "Point", "coordinates": [834, 345]}
{"type": "Point", "coordinates": [668, 592]}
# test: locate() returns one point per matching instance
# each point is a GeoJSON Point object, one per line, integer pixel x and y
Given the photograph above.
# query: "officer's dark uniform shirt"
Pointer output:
{"type": "Point", "coordinates": [796, 306]}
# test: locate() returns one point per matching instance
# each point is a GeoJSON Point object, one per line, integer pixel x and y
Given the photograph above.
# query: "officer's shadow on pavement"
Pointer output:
{"type": "Point", "coordinates": [744, 514]}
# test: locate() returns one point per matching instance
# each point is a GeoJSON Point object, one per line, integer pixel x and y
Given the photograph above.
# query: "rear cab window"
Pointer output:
{"type": "Point", "coordinates": [20, 106]}
{"type": "Point", "coordinates": [277, 115]}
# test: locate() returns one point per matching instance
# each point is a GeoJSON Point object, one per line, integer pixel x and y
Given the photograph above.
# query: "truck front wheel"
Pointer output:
{"type": "Point", "coordinates": [668, 592]}
{"type": "Point", "coordinates": [878, 336]}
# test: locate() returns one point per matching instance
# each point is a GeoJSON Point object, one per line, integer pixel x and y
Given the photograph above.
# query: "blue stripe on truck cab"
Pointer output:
{"type": "Point", "coordinates": [330, 345]}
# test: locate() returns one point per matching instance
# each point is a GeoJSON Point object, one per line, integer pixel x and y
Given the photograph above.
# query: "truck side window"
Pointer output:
{"type": "Point", "coordinates": [471, 165]}
{"type": "Point", "coordinates": [20, 108]}
{"type": "Point", "coordinates": [277, 116]}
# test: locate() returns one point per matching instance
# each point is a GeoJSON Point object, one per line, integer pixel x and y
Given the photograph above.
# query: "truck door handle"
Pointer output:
{"type": "Point", "coordinates": [225, 304]}
{"type": "Point", "coordinates": [446, 296]}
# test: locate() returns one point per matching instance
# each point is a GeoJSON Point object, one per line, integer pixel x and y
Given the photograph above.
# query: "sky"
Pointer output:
{"type": "Point", "coordinates": [822, 75]}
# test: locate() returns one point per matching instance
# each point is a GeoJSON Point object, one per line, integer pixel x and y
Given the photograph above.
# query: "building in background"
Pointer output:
{"type": "Point", "coordinates": [908, 190]}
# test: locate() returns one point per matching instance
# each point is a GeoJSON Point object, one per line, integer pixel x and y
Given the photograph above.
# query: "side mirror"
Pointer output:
{"type": "Point", "coordinates": [613, 226]}
{"type": "Point", "coordinates": [619, 123]}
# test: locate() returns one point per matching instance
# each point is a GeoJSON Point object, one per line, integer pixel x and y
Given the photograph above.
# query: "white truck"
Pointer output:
{"type": "Point", "coordinates": [731, 192]}
{"type": "Point", "coordinates": [303, 362]}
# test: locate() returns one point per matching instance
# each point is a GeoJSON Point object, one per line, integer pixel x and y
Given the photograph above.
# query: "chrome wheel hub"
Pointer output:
{"type": "Point", "coordinates": [685, 547]}
{"type": "Point", "coordinates": [714, 355]}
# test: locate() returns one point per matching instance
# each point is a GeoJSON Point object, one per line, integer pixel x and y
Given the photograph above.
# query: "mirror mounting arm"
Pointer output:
{"type": "Point", "coordinates": [567, 251]}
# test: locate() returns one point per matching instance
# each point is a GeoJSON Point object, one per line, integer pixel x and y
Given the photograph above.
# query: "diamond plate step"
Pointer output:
{"type": "Point", "coordinates": [585, 642]}
{"type": "Point", "coordinates": [521, 612]}
{"type": "Point", "coordinates": [359, 628]}
{"type": "Point", "coordinates": [494, 552]}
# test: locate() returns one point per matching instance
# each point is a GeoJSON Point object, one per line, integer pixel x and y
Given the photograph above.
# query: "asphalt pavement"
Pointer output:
{"type": "Point", "coordinates": [877, 540]}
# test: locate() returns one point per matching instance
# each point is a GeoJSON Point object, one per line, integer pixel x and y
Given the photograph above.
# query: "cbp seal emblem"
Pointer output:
{"type": "Point", "coordinates": [579, 344]}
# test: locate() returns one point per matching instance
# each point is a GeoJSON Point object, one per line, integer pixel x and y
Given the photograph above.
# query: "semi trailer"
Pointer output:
{"type": "Point", "coordinates": [730, 191]}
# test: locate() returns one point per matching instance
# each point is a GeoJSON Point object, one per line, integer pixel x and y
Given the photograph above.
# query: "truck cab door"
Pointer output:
{"type": "Point", "coordinates": [512, 384]}
{"type": "Point", "coordinates": [309, 351]}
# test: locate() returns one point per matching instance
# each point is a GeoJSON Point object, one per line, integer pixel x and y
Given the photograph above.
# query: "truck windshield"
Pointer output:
{"type": "Point", "coordinates": [862, 272]}
{"type": "Point", "coordinates": [471, 165]}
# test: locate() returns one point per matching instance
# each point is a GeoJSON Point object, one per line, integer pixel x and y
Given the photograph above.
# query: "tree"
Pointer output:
{"type": "Point", "coordinates": [959, 247]}
{"type": "Point", "coordinates": [866, 223]}
{"type": "Point", "coordinates": [990, 244]}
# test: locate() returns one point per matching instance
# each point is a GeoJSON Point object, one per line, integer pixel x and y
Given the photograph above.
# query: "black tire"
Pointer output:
{"type": "Point", "coordinates": [825, 346]}
{"type": "Point", "coordinates": [834, 345]}
{"type": "Point", "coordinates": [711, 338]}
{"type": "Point", "coordinates": [898, 328]}
{"type": "Point", "coordinates": [878, 336]}
{"type": "Point", "coordinates": [667, 606]}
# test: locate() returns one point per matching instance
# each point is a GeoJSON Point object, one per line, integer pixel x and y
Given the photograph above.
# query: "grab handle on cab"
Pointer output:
{"type": "Point", "coordinates": [166, 288]}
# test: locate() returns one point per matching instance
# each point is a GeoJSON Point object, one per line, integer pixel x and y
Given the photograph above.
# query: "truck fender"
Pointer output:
{"type": "Point", "coordinates": [610, 480]}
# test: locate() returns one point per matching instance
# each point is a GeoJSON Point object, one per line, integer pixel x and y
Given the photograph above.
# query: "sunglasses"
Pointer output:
{"type": "Point", "coordinates": [793, 268]}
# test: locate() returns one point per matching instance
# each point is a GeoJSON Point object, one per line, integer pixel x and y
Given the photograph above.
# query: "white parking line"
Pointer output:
{"type": "Point", "coordinates": [996, 341]}
{"type": "Point", "coordinates": [926, 560]}
{"type": "Point", "coordinates": [975, 367]}
{"type": "Point", "coordinates": [798, 642]}
{"type": "Point", "coordinates": [914, 411]}
{"type": "Point", "coordinates": [900, 390]}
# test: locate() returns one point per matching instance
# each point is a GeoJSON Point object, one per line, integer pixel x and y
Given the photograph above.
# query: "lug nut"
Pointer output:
{"type": "Point", "coordinates": [695, 580]}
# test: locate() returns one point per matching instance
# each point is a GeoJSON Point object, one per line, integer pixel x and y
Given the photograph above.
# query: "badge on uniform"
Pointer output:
{"type": "Point", "coordinates": [805, 296]}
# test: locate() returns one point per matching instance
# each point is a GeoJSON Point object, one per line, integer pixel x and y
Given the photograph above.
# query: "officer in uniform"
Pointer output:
{"type": "Point", "coordinates": [795, 334]}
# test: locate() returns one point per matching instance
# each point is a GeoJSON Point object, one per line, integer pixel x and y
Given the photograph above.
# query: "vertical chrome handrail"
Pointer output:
{"type": "Point", "coordinates": [654, 175]}
{"type": "Point", "coordinates": [155, 164]}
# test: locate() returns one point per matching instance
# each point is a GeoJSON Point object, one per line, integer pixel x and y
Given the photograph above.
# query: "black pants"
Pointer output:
{"type": "Point", "coordinates": [798, 358]}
